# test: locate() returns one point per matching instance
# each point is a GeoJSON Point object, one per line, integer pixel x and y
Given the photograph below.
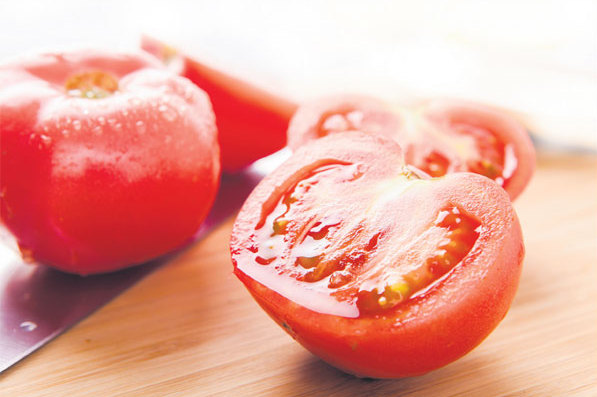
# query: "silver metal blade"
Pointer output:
{"type": "Point", "coordinates": [38, 303]}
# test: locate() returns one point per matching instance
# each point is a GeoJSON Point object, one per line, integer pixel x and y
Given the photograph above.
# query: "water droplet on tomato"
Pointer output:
{"type": "Point", "coordinates": [28, 326]}
{"type": "Point", "coordinates": [77, 125]}
{"type": "Point", "coordinates": [167, 112]}
{"type": "Point", "coordinates": [97, 130]}
{"type": "Point", "coordinates": [45, 139]}
{"type": "Point", "coordinates": [141, 127]}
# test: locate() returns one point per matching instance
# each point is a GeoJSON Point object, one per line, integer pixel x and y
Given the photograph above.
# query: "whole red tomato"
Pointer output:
{"type": "Point", "coordinates": [108, 159]}
{"type": "Point", "coordinates": [438, 136]}
{"type": "Point", "coordinates": [373, 269]}
{"type": "Point", "coordinates": [251, 122]}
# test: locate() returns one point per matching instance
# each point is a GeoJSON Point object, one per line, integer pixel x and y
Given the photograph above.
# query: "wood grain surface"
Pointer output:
{"type": "Point", "coordinates": [192, 329]}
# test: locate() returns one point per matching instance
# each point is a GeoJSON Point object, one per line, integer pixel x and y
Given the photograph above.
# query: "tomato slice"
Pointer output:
{"type": "Point", "coordinates": [251, 122]}
{"type": "Point", "coordinates": [377, 271]}
{"type": "Point", "coordinates": [108, 159]}
{"type": "Point", "coordinates": [438, 137]}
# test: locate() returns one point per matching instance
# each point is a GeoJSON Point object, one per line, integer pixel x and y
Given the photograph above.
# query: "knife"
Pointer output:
{"type": "Point", "coordinates": [38, 303]}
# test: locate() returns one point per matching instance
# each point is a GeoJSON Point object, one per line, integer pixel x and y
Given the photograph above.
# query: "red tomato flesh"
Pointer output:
{"type": "Point", "coordinates": [251, 122]}
{"type": "Point", "coordinates": [373, 269]}
{"type": "Point", "coordinates": [108, 160]}
{"type": "Point", "coordinates": [438, 137]}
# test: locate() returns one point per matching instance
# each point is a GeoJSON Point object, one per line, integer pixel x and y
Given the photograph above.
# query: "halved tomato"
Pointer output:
{"type": "Point", "coordinates": [438, 137]}
{"type": "Point", "coordinates": [375, 270]}
{"type": "Point", "coordinates": [251, 122]}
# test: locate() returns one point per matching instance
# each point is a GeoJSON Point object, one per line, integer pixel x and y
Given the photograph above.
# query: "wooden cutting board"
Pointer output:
{"type": "Point", "coordinates": [192, 329]}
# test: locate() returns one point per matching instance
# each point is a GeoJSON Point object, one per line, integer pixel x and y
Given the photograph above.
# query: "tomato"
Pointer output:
{"type": "Point", "coordinates": [438, 137]}
{"type": "Point", "coordinates": [251, 122]}
{"type": "Point", "coordinates": [379, 272]}
{"type": "Point", "coordinates": [108, 159]}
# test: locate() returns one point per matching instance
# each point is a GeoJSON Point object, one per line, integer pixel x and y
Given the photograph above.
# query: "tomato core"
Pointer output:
{"type": "Point", "coordinates": [91, 85]}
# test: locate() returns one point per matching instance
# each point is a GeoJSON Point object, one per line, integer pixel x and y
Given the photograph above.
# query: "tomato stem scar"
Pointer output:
{"type": "Point", "coordinates": [91, 85]}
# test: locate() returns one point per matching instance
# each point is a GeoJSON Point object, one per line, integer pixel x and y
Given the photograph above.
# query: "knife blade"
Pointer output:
{"type": "Point", "coordinates": [38, 303]}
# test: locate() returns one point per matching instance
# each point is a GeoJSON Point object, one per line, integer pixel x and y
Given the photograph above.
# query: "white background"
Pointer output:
{"type": "Point", "coordinates": [538, 58]}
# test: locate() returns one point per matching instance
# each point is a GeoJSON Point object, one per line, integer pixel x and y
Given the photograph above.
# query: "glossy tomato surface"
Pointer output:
{"type": "Point", "coordinates": [438, 136]}
{"type": "Point", "coordinates": [108, 159]}
{"type": "Point", "coordinates": [251, 122]}
{"type": "Point", "coordinates": [378, 272]}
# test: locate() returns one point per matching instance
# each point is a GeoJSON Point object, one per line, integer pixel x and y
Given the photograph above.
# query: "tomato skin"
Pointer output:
{"type": "Point", "coordinates": [251, 122]}
{"type": "Point", "coordinates": [423, 333]}
{"type": "Point", "coordinates": [438, 136]}
{"type": "Point", "coordinates": [368, 114]}
{"type": "Point", "coordinates": [94, 185]}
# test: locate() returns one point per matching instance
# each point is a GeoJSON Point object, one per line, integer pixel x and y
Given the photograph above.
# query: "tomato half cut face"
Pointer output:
{"type": "Point", "coordinates": [375, 270]}
{"type": "Point", "coordinates": [438, 137]}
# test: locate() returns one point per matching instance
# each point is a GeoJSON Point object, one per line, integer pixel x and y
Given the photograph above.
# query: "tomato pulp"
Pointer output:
{"type": "Point", "coordinates": [377, 271]}
{"type": "Point", "coordinates": [108, 159]}
{"type": "Point", "coordinates": [438, 137]}
{"type": "Point", "coordinates": [251, 122]}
